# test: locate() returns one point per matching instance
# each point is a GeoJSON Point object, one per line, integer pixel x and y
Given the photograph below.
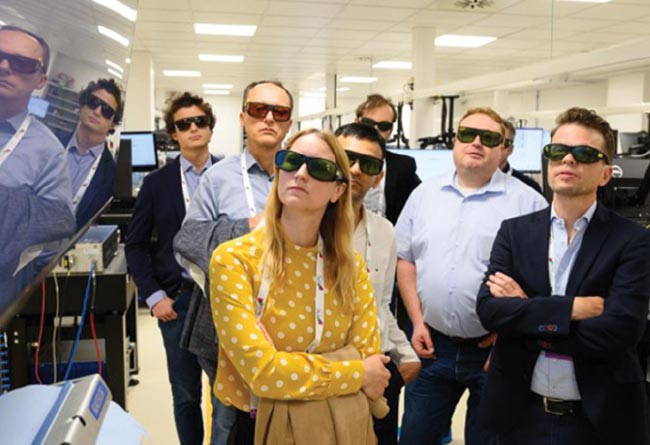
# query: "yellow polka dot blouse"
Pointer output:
{"type": "Point", "coordinates": [282, 369]}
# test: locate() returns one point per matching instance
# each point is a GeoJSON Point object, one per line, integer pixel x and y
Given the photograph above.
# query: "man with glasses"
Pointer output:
{"type": "Point", "coordinates": [32, 160]}
{"type": "Point", "coordinates": [374, 238]}
{"type": "Point", "coordinates": [444, 236]}
{"type": "Point", "coordinates": [91, 165]}
{"type": "Point", "coordinates": [229, 202]}
{"type": "Point", "coordinates": [567, 289]}
{"type": "Point", "coordinates": [160, 208]}
{"type": "Point", "coordinates": [504, 165]}
{"type": "Point", "coordinates": [400, 177]}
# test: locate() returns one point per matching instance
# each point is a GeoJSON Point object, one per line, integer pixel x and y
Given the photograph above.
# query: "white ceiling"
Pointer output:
{"type": "Point", "coordinates": [297, 38]}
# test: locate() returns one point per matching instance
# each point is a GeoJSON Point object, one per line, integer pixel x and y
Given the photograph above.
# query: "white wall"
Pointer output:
{"type": "Point", "coordinates": [81, 71]}
{"type": "Point", "coordinates": [227, 138]}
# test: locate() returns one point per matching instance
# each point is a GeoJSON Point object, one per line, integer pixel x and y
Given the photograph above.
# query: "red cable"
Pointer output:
{"type": "Point", "coordinates": [99, 355]}
{"type": "Point", "coordinates": [40, 333]}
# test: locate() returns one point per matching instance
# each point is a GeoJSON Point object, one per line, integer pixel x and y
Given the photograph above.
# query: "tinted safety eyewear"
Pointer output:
{"type": "Point", "coordinates": [581, 153]}
{"type": "Point", "coordinates": [381, 126]}
{"type": "Point", "coordinates": [186, 123]}
{"type": "Point", "coordinates": [93, 102]}
{"type": "Point", "coordinates": [488, 138]}
{"type": "Point", "coordinates": [318, 168]}
{"type": "Point", "coordinates": [259, 110]}
{"type": "Point", "coordinates": [22, 64]}
{"type": "Point", "coordinates": [368, 164]}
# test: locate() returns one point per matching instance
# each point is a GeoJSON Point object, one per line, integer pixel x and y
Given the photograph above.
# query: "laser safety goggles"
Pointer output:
{"type": "Point", "coordinates": [488, 138]}
{"type": "Point", "coordinates": [581, 153]}
{"type": "Point", "coordinates": [185, 123]}
{"type": "Point", "coordinates": [93, 102]}
{"type": "Point", "coordinates": [381, 126]}
{"type": "Point", "coordinates": [367, 164]}
{"type": "Point", "coordinates": [22, 64]}
{"type": "Point", "coordinates": [259, 110]}
{"type": "Point", "coordinates": [318, 168]}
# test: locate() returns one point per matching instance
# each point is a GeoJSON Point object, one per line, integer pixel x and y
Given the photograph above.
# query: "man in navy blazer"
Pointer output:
{"type": "Point", "coordinates": [167, 287]}
{"type": "Point", "coordinates": [567, 290]}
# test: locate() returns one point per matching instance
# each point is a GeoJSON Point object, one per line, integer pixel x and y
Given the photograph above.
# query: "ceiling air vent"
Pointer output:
{"type": "Point", "coordinates": [473, 4]}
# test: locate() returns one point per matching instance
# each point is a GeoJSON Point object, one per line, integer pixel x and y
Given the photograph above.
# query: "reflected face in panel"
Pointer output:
{"type": "Point", "coordinates": [198, 135]}
{"type": "Point", "coordinates": [267, 131]}
{"type": "Point", "coordinates": [13, 84]}
{"type": "Point", "coordinates": [92, 120]}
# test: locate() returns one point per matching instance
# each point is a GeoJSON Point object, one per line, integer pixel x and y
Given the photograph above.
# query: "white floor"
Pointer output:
{"type": "Point", "coordinates": [150, 402]}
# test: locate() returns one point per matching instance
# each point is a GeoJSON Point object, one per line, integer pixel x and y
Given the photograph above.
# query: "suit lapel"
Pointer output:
{"type": "Point", "coordinates": [594, 238]}
{"type": "Point", "coordinates": [539, 244]}
{"type": "Point", "coordinates": [391, 176]}
{"type": "Point", "coordinates": [176, 193]}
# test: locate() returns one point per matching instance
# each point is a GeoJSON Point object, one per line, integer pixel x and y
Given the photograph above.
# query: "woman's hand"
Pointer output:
{"type": "Point", "coordinates": [375, 376]}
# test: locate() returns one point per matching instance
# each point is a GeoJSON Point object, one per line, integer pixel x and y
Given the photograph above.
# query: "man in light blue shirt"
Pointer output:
{"type": "Point", "coordinates": [30, 155]}
{"type": "Point", "coordinates": [229, 201]}
{"type": "Point", "coordinates": [444, 237]}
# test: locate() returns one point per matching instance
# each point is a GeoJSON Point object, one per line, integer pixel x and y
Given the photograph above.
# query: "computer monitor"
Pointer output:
{"type": "Point", "coordinates": [527, 154]}
{"type": "Point", "coordinates": [429, 162]}
{"type": "Point", "coordinates": [143, 150]}
{"type": "Point", "coordinates": [629, 139]}
{"type": "Point", "coordinates": [37, 106]}
{"type": "Point", "coordinates": [629, 185]}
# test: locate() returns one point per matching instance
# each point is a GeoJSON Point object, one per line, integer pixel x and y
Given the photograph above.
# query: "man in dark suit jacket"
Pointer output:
{"type": "Point", "coordinates": [567, 290]}
{"type": "Point", "coordinates": [167, 287]}
{"type": "Point", "coordinates": [389, 198]}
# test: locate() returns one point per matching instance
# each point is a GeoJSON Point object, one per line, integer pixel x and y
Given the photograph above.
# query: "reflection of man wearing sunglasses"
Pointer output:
{"type": "Point", "coordinates": [30, 155]}
{"type": "Point", "coordinates": [444, 237]}
{"type": "Point", "coordinates": [504, 165]}
{"type": "Point", "coordinates": [228, 203]}
{"type": "Point", "coordinates": [569, 320]}
{"type": "Point", "coordinates": [90, 163]}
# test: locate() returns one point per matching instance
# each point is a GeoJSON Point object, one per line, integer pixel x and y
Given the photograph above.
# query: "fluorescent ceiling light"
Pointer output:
{"type": "Point", "coordinates": [115, 73]}
{"type": "Point", "coordinates": [220, 58]}
{"type": "Point", "coordinates": [357, 79]}
{"type": "Point", "coordinates": [127, 60]}
{"type": "Point", "coordinates": [216, 92]}
{"type": "Point", "coordinates": [120, 8]}
{"type": "Point", "coordinates": [217, 86]}
{"type": "Point", "coordinates": [2, 23]}
{"type": "Point", "coordinates": [181, 73]}
{"type": "Point", "coordinates": [460, 41]}
{"type": "Point", "coordinates": [119, 38]}
{"type": "Point", "coordinates": [393, 65]}
{"type": "Point", "coordinates": [225, 30]}
{"type": "Point", "coordinates": [114, 65]}
{"type": "Point", "coordinates": [341, 89]}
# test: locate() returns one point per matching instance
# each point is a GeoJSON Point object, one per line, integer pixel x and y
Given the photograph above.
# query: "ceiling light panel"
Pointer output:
{"type": "Point", "coordinates": [120, 8]}
{"type": "Point", "coordinates": [225, 30]}
{"type": "Point", "coordinates": [119, 38]}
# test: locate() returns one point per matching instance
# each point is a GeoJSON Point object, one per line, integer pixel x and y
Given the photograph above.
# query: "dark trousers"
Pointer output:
{"type": "Point", "coordinates": [243, 432]}
{"type": "Point", "coordinates": [184, 376]}
{"type": "Point", "coordinates": [538, 427]}
{"type": "Point", "coordinates": [431, 399]}
{"type": "Point", "coordinates": [386, 428]}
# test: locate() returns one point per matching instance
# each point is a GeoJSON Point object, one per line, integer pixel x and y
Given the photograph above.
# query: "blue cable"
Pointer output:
{"type": "Point", "coordinates": [81, 323]}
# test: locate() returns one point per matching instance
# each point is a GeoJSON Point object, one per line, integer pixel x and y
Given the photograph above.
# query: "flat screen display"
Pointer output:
{"type": "Point", "coordinates": [429, 162]}
{"type": "Point", "coordinates": [527, 155]}
{"type": "Point", "coordinates": [143, 150]}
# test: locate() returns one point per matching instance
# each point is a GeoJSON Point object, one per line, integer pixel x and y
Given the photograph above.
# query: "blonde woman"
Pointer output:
{"type": "Point", "coordinates": [293, 290]}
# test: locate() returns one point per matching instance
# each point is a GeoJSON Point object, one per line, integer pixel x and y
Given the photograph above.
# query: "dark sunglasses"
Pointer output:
{"type": "Point", "coordinates": [259, 110]}
{"type": "Point", "coordinates": [581, 153]}
{"type": "Point", "coordinates": [93, 102]}
{"type": "Point", "coordinates": [381, 126]}
{"type": "Point", "coordinates": [185, 123]}
{"type": "Point", "coordinates": [318, 168]}
{"type": "Point", "coordinates": [488, 138]}
{"type": "Point", "coordinates": [368, 164]}
{"type": "Point", "coordinates": [22, 64]}
{"type": "Point", "coordinates": [507, 143]}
